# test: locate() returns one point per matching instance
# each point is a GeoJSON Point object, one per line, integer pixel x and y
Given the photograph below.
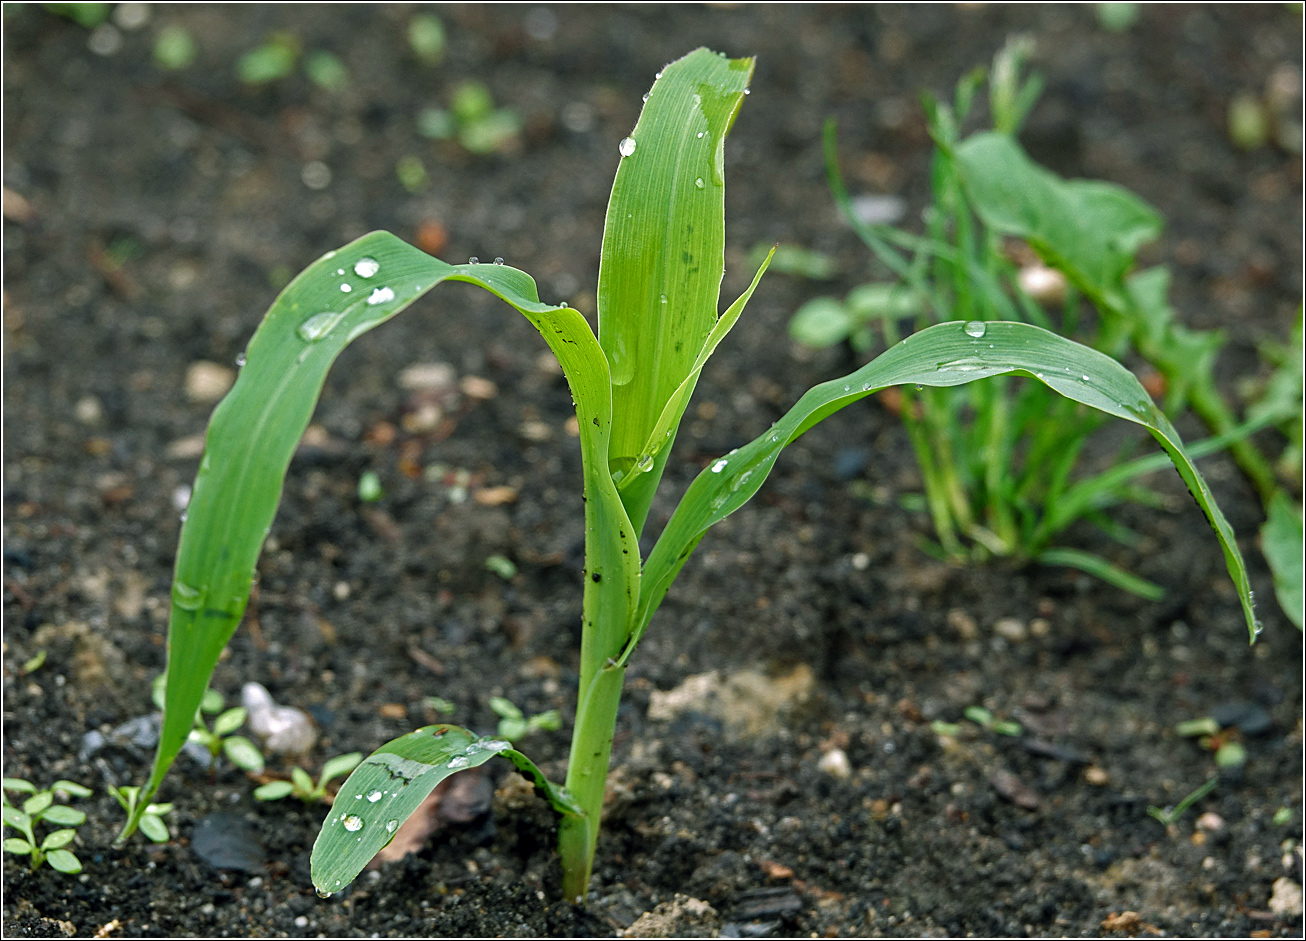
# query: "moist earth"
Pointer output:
{"type": "Point", "coordinates": [775, 755]}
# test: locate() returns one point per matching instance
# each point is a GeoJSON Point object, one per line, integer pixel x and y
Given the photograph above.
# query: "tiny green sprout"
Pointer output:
{"type": "Point", "coordinates": [219, 739]}
{"type": "Point", "coordinates": [513, 724]}
{"type": "Point", "coordinates": [982, 717]}
{"type": "Point", "coordinates": [795, 260]}
{"type": "Point", "coordinates": [412, 173]}
{"type": "Point", "coordinates": [1171, 815]}
{"type": "Point", "coordinates": [87, 15]}
{"type": "Point", "coordinates": [273, 60]}
{"type": "Point", "coordinates": [369, 487]}
{"type": "Point", "coordinates": [151, 818]}
{"type": "Point", "coordinates": [442, 706]}
{"type": "Point", "coordinates": [39, 807]}
{"type": "Point", "coordinates": [301, 785]}
{"type": "Point", "coordinates": [660, 319]}
{"type": "Point", "coordinates": [1282, 815]}
{"type": "Point", "coordinates": [325, 70]}
{"type": "Point", "coordinates": [1191, 728]}
{"type": "Point", "coordinates": [951, 729]}
{"type": "Point", "coordinates": [472, 119]}
{"type": "Point", "coordinates": [34, 663]}
{"type": "Point", "coordinates": [174, 49]}
{"type": "Point", "coordinates": [426, 38]}
{"type": "Point", "coordinates": [502, 566]}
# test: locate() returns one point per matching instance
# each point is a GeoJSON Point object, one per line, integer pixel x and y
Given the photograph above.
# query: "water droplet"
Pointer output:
{"type": "Point", "coordinates": [352, 822]}
{"type": "Point", "coordinates": [373, 797]}
{"type": "Point", "coordinates": [240, 359]}
{"type": "Point", "coordinates": [644, 464]}
{"type": "Point", "coordinates": [345, 288]}
{"type": "Point", "coordinates": [658, 76]}
{"type": "Point", "coordinates": [975, 328]}
{"type": "Point", "coordinates": [627, 146]}
{"type": "Point", "coordinates": [646, 96]}
{"type": "Point", "coordinates": [391, 826]}
{"type": "Point", "coordinates": [699, 182]}
{"type": "Point", "coordinates": [748, 91]}
{"type": "Point", "coordinates": [496, 746]}
{"type": "Point", "coordinates": [380, 296]}
{"type": "Point", "coordinates": [473, 260]}
{"type": "Point", "coordinates": [340, 271]}
{"type": "Point", "coordinates": [662, 298]}
{"type": "Point", "coordinates": [318, 326]}
{"type": "Point", "coordinates": [183, 516]}
{"type": "Point", "coordinates": [847, 388]}
{"type": "Point", "coordinates": [186, 597]}
{"type": "Point", "coordinates": [1086, 379]}
{"type": "Point", "coordinates": [719, 466]}
{"type": "Point", "coordinates": [323, 893]}
{"type": "Point", "coordinates": [700, 133]}
{"type": "Point", "coordinates": [498, 261]}
{"type": "Point", "coordinates": [366, 267]}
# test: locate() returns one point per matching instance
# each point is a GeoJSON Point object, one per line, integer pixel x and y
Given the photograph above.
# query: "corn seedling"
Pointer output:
{"type": "Point", "coordinates": [151, 815]}
{"type": "Point", "coordinates": [513, 723]}
{"type": "Point", "coordinates": [997, 458]}
{"type": "Point", "coordinates": [661, 266]}
{"type": "Point", "coordinates": [301, 784]}
{"type": "Point", "coordinates": [39, 807]}
{"type": "Point", "coordinates": [219, 740]}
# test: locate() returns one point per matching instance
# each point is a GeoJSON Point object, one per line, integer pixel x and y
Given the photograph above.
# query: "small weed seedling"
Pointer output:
{"type": "Point", "coordinates": [219, 740]}
{"type": "Point", "coordinates": [40, 807]}
{"type": "Point", "coordinates": [151, 815]}
{"type": "Point", "coordinates": [997, 457]}
{"type": "Point", "coordinates": [513, 724]}
{"type": "Point", "coordinates": [301, 785]}
{"type": "Point", "coordinates": [660, 272]}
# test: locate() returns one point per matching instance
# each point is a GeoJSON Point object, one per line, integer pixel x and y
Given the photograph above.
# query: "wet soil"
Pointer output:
{"type": "Point", "coordinates": [162, 210]}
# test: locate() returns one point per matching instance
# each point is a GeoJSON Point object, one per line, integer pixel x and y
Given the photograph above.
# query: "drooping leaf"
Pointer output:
{"type": "Point", "coordinates": [389, 786]}
{"type": "Point", "coordinates": [1281, 541]}
{"type": "Point", "coordinates": [942, 355]}
{"type": "Point", "coordinates": [255, 429]}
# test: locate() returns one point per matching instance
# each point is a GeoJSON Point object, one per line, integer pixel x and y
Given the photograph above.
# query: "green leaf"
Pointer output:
{"type": "Point", "coordinates": [943, 355]}
{"type": "Point", "coordinates": [795, 260]}
{"type": "Point", "coordinates": [229, 721]}
{"type": "Point", "coordinates": [273, 60]}
{"type": "Point", "coordinates": [255, 429]}
{"type": "Point", "coordinates": [15, 818]}
{"type": "Point", "coordinates": [821, 322]}
{"type": "Point", "coordinates": [504, 708]}
{"type": "Point", "coordinates": [71, 788]}
{"type": "Point", "coordinates": [1281, 541]}
{"type": "Point", "coordinates": [64, 861]}
{"type": "Point", "coordinates": [272, 791]}
{"type": "Point", "coordinates": [243, 753]}
{"type": "Point", "coordinates": [34, 663]}
{"type": "Point", "coordinates": [57, 839]}
{"type": "Point", "coordinates": [426, 37]}
{"type": "Point", "coordinates": [18, 784]}
{"type": "Point", "coordinates": [384, 791]}
{"type": "Point", "coordinates": [155, 829]}
{"type": "Point", "coordinates": [211, 702]}
{"type": "Point", "coordinates": [63, 815]}
{"type": "Point", "coordinates": [14, 845]}
{"type": "Point", "coordinates": [301, 780]}
{"type": "Point", "coordinates": [1099, 567]}
{"type": "Point", "coordinates": [38, 802]}
{"type": "Point", "coordinates": [663, 253]}
{"type": "Point", "coordinates": [340, 764]}
{"type": "Point", "coordinates": [1088, 229]}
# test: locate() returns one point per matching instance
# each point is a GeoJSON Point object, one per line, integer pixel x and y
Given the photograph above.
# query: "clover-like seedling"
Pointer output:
{"type": "Point", "coordinates": [40, 807]}
{"type": "Point", "coordinates": [219, 740]}
{"type": "Point", "coordinates": [151, 815]}
{"type": "Point", "coordinates": [659, 321]}
{"type": "Point", "coordinates": [513, 724]}
{"type": "Point", "coordinates": [301, 784]}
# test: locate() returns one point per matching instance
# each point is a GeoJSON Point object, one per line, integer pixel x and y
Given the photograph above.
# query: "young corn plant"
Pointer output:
{"type": "Point", "coordinates": [997, 458]}
{"type": "Point", "coordinates": [660, 274]}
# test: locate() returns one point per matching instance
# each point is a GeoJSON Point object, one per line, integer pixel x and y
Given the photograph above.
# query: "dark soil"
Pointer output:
{"type": "Point", "coordinates": [199, 183]}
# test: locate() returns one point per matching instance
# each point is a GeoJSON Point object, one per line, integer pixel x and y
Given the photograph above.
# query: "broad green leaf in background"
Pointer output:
{"type": "Point", "coordinates": [1089, 229]}
{"type": "Point", "coordinates": [255, 429]}
{"type": "Point", "coordinates": [1281, 541]}
{"type": "Point", "coordinates": [663, 252]}
{"type": "Point", "coordinates": [391, 783]}
{"type": "Point", "coordinates": [946, 354]}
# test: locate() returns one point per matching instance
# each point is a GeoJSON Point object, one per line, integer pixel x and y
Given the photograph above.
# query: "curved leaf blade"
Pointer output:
{"type": "Point", "coordinates": [255, 429]}
{"type": "Point", "coordinates": [946, 354]}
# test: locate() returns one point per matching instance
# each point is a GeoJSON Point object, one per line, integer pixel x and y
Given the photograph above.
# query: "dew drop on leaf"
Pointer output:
{"type": "Point", "coordinates": [186, 597]}
{"type": "Point", "coordinates": [366, 267]}
{"type": "Point", "coordinates": [373, 797]}
{"type": "Point", "coordinates": [345, 288]}
{"type": "Point", "coordinates": [473, 260]}
{"type": "Point", "coordinates": [352, 822]}
{"type": "Point", "coordinates": [459, 761]}
{"type": "Point", "coordinates": [498, 261]}
{"type": "Point", "coordinates": [318, 326]}
{"type": "Point", "coordinates": [627, 147]}
{"type": "Point", "coordinates": [719, 466]}
{"type": "Point", "coordinates": [975, 328]}
{"type": "Point", "coordinates": [699, 182]}
{"type": "Point", "coordinates": [391, 826]}
{"type": "Point", "coordinates": [380, 296]}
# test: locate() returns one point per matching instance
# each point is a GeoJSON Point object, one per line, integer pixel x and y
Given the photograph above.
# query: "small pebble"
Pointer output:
{"type": "Point", "coordinates": [1010, 629]}
{"type": "Point", "coordinates": [1096, 776]}
{"type": "Point", "coordinates": [1286, 898]}
{"type": "Point", "coordinates": [1210, 821]}
{"type": "Point", "coordinates": [427, 377]}
{"type": "Point", "coordinates": [1043, 284]}
{"type": "Point", "coordinates": [88, 410]}
{"type": "Point", "coordinates": [536, 431]}
{"type": "Point", "coordinates": [836, 764]}
{"type": "Point", "coordinates": [301, 921]}
{"type": "Point", "coordinates": [963, 624]}
{"type": "Point", "coordinates": [207, 382]}
{"type": "Point", "coordinates": [282, 728]}
{"type": "Point", "coordinates": [496, 496]}
{"type": "Point", "coordinates": [474, 387]}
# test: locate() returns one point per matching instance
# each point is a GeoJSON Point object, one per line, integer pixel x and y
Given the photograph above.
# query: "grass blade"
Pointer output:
{"type": "Point", "coordinates": [1281, 541]}
{"type": "Point", "coordinates": [255, 429]}
{"type": "Point", "coordinates": [1099, 567]}
{"type": "Point", "coordinates": [943, 355]}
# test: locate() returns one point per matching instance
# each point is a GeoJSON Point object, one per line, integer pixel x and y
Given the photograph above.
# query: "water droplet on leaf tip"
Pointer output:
{"type": "Point", "coordinates": [366, 267]}
{"type": "Point", "coordinates": [626, 147]}
{"type": "Point", "coordinates": [380, 296]}
{"type": "Point", "coordinates": [323, 893]}
{"type": "Point", "coordinates": [975, 328]}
